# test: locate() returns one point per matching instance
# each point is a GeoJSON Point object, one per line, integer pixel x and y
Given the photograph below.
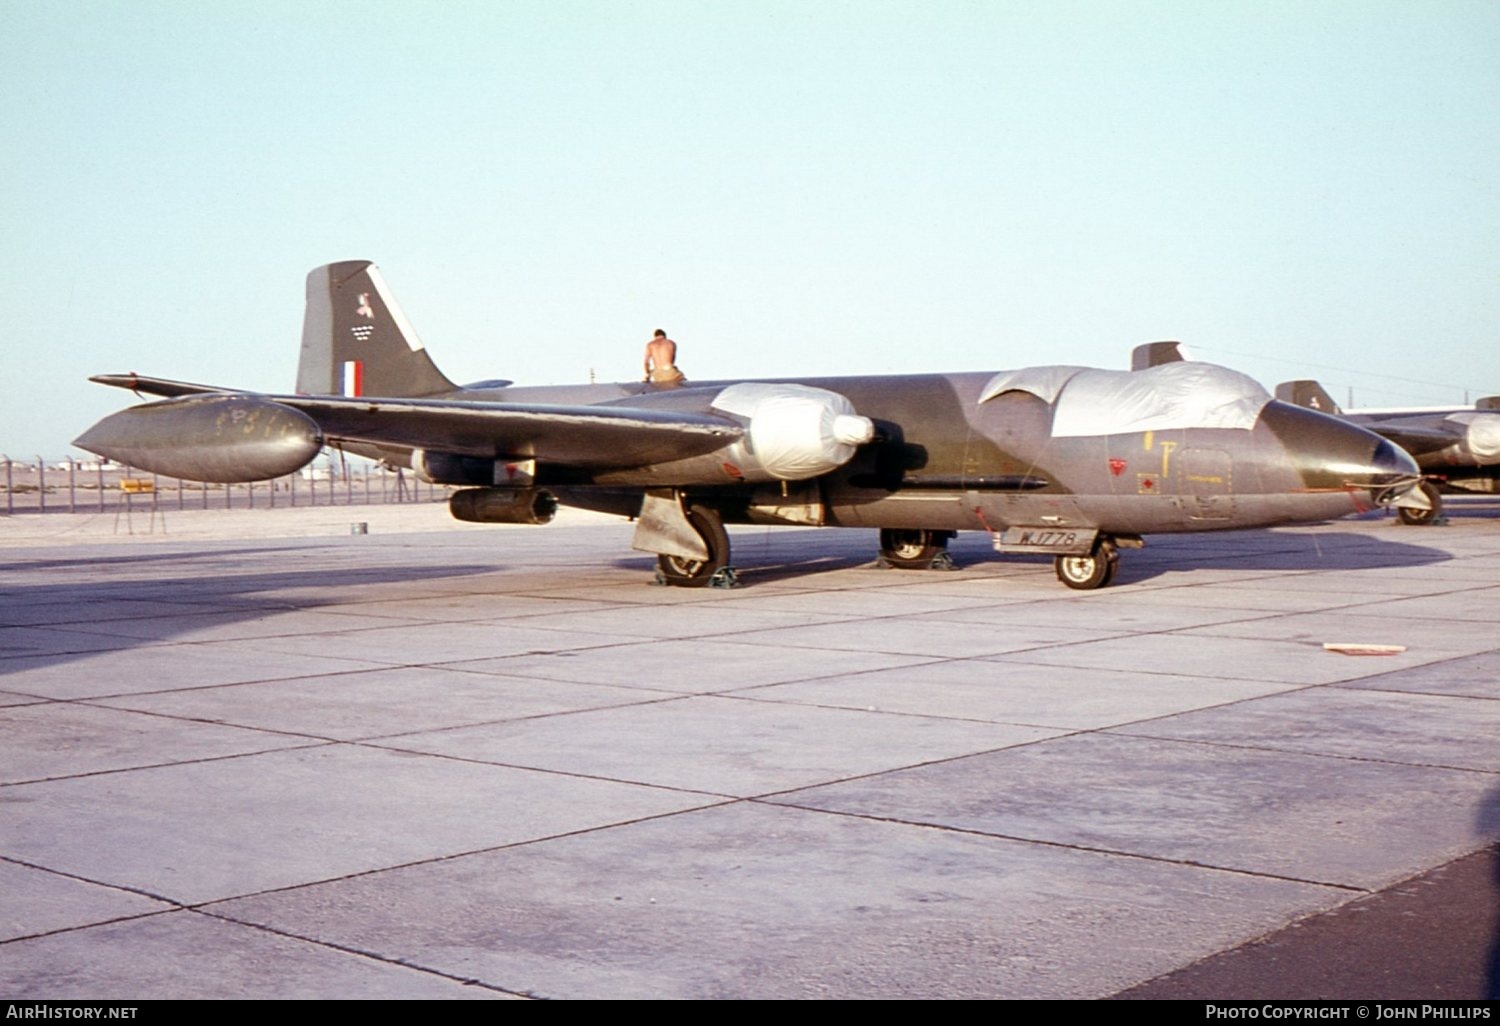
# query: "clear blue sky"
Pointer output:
{"type": "Point", "coordinates": [1292, 188]}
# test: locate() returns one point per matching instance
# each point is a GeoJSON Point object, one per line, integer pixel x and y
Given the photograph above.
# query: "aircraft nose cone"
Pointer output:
{"type": "Point", "coordinates": [1333, 455]}
{"type": "Point", "coordinates": [1390, 462]}
{"type": "Point", "coordinates": [1392, 473]}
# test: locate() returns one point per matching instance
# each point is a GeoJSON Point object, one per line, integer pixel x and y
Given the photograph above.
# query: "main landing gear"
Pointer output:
{"type": "Point", "coordinates": [1085, 573]}
{"type": "Point", "coordinates": [686, 572]}
{"type": "Point", "coordinates": [911, 549]}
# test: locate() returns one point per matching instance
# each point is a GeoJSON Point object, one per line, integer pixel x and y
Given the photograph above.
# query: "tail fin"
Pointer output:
{"type": "Point", "coordinates": [1154, 354]}
{"type": "Point", "coordinates": [1307, 393]}
{"type": "Point", "coordinates": [356, 341]}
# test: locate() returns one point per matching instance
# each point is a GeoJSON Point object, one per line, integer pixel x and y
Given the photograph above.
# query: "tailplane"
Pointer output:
{"type": "Point", "coordinates": [356, 341]}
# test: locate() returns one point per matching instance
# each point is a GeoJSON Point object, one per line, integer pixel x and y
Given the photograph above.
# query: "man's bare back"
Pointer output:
{"type": "Point", "coordinates": [661, 360]}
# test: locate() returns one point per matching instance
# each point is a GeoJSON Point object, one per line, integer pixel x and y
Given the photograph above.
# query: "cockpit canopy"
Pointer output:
{"type": "Point", "coordinates": [1172, 396]}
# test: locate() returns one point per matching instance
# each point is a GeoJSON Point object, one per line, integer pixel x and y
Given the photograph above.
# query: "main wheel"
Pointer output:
{"type": "Point", "coordinates": [911, 549]}
{"type": "Point", "coordinates": [1422, 517]}
{"type": "Point", "coordinates": [1086, 573]}
{"type": "Point", "coordinates": [685, 572]}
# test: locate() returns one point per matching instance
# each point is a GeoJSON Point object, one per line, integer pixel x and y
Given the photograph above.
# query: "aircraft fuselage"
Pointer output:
{"type": "Point", "coordinates": [943, 460]}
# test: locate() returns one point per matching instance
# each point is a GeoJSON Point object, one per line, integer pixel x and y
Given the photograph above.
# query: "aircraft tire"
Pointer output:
{"type": "Point", "coordinates": [1085, 573]}
{"type": "Point", "coordinates": [696, 573]}
{"type": "Point", "coordinates": [1423, 517]}
{"type": "Point", "coordinates": [910, 549]}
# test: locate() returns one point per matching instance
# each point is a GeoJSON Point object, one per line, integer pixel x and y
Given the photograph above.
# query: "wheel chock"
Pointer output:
{"type": "Point", "coordinates": [724, 577]}
{"type": "Point", "coordinates": [1441, 520]}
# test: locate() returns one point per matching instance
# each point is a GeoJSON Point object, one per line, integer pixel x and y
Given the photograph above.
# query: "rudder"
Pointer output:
{"type": "Point", "coordinates": [356, 340]}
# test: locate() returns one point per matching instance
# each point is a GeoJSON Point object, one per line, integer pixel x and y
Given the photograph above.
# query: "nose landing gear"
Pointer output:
{"type": "Point", "coordinates": [1095, 570]}
{"type": "Point", "coordinates": [1433, 514]}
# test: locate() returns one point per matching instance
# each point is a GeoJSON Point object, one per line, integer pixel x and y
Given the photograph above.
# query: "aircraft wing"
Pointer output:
{"type": "Point", "coordinates": [1414, 438]}
{"type": "Point", "coordinates": [579, 436]}
{"type": "Point", "coordinates": [589, 437]}
{"type": "Point", "coordinates": [1418, 432]}
{"type": "Point", "coordinates": [159, 386]}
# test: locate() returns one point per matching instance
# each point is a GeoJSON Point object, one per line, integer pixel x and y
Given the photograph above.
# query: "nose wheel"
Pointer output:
{"type": "Point", "coordinates": [1423, 517]}
{"type": "Point", "coordinates": [1085, 573]}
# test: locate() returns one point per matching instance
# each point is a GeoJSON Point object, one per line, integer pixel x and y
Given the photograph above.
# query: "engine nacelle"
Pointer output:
{"type": "Point", "coordinates": [795, 432]}
{"type": "Point", "coordinates": [503, 505]}
{"type": "Point", "coordinates": [1481, 436]}
{"type": "Point", "coordinates": [221, 438]}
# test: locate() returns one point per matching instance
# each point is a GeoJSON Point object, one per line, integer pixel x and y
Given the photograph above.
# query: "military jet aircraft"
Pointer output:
{"type": "Point", "coordinates": [1457, 447]}
{"type": "Point", "coordinates": [1062, 460]}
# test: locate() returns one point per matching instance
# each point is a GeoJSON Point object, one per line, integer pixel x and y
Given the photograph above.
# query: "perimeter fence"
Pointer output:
{"type": "Point", "coordinates": [88, 486]}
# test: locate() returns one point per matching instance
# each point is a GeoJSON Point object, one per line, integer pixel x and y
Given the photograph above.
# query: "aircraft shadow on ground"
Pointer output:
{"type": "Point", "coordinates": [1471, 507]}
{"type": "Point", "coordinates": [756, 570]}
{"type": "Point", "coordinates": [183, 601]}
{"type": "Point", "coordinates": [144, 558]}
{"type": "Point", "coordinates": [775, 555]}
{"type": "Point", "coordinates": [788, 553]}
{"type": "Point", "coordinates": [784, 553]}
{"type": "Point", "coordinates": [1258, 550]}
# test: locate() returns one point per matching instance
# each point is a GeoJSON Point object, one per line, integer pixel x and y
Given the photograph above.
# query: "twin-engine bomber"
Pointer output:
{"type": "Point", "coordinates": [1068, 461]}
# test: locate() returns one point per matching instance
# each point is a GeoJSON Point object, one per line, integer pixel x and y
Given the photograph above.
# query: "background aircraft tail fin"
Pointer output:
{"type": "Point", "coordinates": [356, 340]}
{"type": "Point", "coordinates": [1306, 393]}
{"type": "Point", "coordinates": [1154, 354]}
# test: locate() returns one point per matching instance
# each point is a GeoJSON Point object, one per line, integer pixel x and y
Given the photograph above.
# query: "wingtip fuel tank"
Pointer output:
{"type": "Point", "coordinates": [219, 438]}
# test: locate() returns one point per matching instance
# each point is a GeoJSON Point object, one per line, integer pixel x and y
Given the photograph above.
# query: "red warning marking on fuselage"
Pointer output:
{"type": "Point", "coordinates": [1116, 466]}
